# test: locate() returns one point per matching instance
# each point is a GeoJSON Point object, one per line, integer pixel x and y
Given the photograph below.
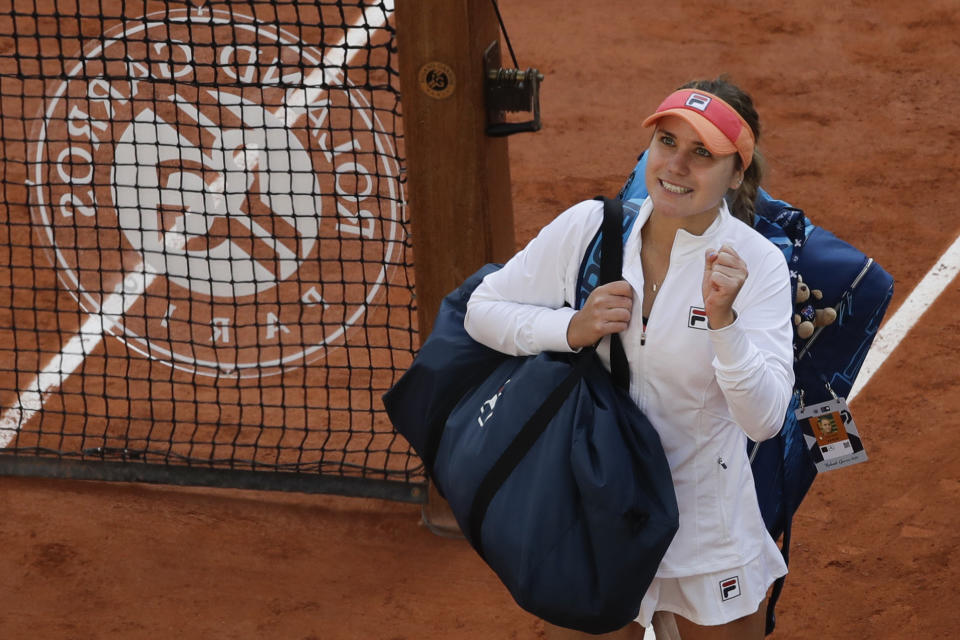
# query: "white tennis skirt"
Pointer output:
{"type": "Point", "coordinates": [715, 598]}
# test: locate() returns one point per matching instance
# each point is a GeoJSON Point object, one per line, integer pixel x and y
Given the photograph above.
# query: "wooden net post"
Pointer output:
{"type": "Point", "coordinates": [458, 178]}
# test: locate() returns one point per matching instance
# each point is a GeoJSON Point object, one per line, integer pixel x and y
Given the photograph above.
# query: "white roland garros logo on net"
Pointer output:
{"type": "Point", "coordinates": [226, 182]}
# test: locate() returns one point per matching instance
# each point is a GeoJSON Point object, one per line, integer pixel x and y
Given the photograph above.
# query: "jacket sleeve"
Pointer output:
{"type": "Point", "coordinates": [524, 308]}
{"type": "Point", "coordinates": [754, 356]}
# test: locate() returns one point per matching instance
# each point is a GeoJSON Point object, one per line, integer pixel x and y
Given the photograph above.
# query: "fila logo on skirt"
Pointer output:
{"type": "Point", "coordinates": [729, 588]}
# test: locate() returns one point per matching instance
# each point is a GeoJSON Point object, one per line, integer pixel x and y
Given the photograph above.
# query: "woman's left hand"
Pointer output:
{"type": "Point", "coordinates": [724, 273]}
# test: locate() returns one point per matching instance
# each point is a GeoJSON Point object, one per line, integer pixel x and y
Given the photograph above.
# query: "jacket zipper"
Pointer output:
{"type": "Point", "coordinates": [644, 323]}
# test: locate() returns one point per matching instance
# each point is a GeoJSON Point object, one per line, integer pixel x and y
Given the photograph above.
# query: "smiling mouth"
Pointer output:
{"type": "Point", "coordinates": [674, 188]}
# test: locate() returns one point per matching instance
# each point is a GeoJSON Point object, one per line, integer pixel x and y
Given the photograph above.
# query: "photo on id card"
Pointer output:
{"type": "Point", "coordinates": [831, 434]}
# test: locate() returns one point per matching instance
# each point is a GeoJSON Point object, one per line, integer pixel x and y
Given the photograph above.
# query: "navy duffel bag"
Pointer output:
{"type": "Point", "coordinates": [554, 475]}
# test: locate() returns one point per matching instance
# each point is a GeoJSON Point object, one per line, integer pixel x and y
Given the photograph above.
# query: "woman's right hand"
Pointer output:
{"type": "Point", "coordinates": [606, 311]}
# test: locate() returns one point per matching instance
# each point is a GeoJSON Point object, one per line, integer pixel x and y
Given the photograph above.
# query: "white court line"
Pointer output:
{"type": "Point", "coordinates": [896, 328]}
{"type": "Point", "coordinates": [75, 350]}
{"type": "Point", "coordinates": [91, 333]}
{"type": "Point", "coordinates": [354, 39]}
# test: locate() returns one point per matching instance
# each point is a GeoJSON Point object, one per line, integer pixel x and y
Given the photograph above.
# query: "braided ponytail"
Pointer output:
{"type": "Point", "coordinates": [741, 200]}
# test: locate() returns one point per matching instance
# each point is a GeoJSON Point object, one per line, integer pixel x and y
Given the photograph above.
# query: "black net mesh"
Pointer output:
{"type": "Point", "coordinates": [204, 261]}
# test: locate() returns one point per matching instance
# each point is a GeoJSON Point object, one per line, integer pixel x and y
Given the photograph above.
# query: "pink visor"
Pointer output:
{"type": "Point", "coordinates": [722, 130]}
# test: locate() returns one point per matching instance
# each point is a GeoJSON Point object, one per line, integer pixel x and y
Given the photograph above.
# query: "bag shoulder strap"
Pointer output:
{"type": "Point", "coordinates": [589, 276]}
{"type": "Point", "coordinates": [611, 237]}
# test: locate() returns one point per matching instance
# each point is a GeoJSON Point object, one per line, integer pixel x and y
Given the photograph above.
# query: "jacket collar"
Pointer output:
{"type": "Point", "coordinates": [685, 244]}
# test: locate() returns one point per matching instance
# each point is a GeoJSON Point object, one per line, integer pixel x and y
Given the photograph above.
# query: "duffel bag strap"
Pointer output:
{"type": "Point", "coordinates": [518, 448]}
{"type": "Point", "coordinates": [611, 268]}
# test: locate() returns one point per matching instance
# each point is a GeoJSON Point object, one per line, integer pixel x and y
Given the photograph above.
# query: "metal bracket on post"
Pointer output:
{"type": "Point", "coordinates": [509, 90]}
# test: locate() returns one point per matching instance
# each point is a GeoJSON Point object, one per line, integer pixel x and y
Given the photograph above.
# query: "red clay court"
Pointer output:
{"type": "Point", "coordinates": [855, 99]}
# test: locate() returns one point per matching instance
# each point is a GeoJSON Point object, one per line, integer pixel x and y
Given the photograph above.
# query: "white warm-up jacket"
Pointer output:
{"type": "Point", "coordinates": [704, 391]}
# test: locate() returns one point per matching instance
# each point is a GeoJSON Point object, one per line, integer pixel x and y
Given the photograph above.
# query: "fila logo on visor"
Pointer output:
{"type": "Point", "coordinates": [698, 101]}
{"type": "Point", "coordinates": [729, 588]}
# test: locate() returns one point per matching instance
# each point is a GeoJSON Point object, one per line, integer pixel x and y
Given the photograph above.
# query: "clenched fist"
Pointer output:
{"type": "Point", "coordinates": [724, 273]}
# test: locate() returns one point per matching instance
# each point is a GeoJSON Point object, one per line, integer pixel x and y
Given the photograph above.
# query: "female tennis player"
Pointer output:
{"type": "Point", "coordinates": [704, 313]}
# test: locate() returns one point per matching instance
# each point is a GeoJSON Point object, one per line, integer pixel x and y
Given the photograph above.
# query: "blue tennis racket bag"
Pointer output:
{"type": "Point", "coordinates": [825, 364]}
{"type": "Point", "coordinates": [554, 475]}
